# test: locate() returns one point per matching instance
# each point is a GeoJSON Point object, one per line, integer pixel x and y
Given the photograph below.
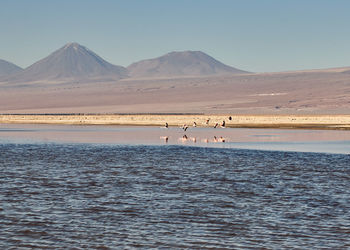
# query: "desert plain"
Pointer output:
{"type": "Point", "coordinates": [311, 99]}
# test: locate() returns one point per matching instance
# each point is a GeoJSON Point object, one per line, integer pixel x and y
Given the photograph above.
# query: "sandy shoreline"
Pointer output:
{"type": "Point", "coordinates": [237, 121]}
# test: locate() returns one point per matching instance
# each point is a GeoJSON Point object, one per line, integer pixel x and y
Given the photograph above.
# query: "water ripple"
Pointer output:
{"type": "Point", "coordinates": [94, 196]}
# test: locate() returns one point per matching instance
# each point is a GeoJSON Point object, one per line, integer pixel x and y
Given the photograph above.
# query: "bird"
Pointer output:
{"type": "Point", "coordinates": [194, 139]}
{"type": "Point", "coordinates": [205, 140]}
{"type": "Point", "coordinates": [165, 138]}
{"type": "Point", "coordinates": [184, 138]}
{"type": "Point", "coordinates": [223, 124]}
{"type": "Point", "coordinates": [184, 127]}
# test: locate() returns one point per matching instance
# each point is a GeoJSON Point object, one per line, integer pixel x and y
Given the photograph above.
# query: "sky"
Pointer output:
{"type": "Point", "coordinates": [253, 35]}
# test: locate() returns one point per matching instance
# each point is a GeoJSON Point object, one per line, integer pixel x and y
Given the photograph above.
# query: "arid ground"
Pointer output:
{"type": "Point", "coordinates": [247, 121]}
{"type": "Point", "coordinates": [301, 92]}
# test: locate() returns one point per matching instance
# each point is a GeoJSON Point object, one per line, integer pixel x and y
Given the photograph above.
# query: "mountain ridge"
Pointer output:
{"type": "Point", "coordinates": [7, 68]}
{"type": "Point", "coordinates": [181, 63]}
{"type": "Point", "coordinates": [74, 62]}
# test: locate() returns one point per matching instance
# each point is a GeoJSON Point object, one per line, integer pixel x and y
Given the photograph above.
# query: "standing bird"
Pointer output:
{"type": "Point", "coordinates": [222, 139]}
{"type": "Point", "coordinates": [184, 138]}
{"type": "Point", "coordinates": [165, 138]}
{"type": "Point", "coordinates": [194, 139]}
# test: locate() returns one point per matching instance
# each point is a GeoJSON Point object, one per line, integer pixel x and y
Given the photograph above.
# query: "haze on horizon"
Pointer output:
{"type": "Point", "coordinates": [258, 36]}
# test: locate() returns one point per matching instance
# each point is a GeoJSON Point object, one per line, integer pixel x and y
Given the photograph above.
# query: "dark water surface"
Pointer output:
{"type": "Point", "coordinates": [108, 196]}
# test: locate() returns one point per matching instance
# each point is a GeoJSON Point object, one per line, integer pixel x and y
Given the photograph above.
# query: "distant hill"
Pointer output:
{"type": "Point", "coordinates": [71, 62]}
{"type": "Point", "coordinates": [185, 63]}
{"type": "Point", "coordinates": [7, 68]}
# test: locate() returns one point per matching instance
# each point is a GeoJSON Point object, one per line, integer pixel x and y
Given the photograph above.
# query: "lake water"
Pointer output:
{"type": "Point", "coordinates": [298, 140]}
{"type": "Point", "coordinates": [122, 189]}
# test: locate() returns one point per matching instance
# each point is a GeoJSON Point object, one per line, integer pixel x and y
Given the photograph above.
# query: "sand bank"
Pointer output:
{"type": "Point", "coordinates": [237, 121]}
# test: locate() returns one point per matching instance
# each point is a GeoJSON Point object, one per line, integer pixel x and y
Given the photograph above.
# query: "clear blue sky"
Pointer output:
{"type": "Point", "coordinates": [254, 35]}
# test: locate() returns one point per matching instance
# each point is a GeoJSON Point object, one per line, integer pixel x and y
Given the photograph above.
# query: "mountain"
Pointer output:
{"type": "Point", "coordinates": [7, 68]}
{"type": "Point", "coordinates": [71, 62]}
{"type": "Point", "coordinates": [185, 63]}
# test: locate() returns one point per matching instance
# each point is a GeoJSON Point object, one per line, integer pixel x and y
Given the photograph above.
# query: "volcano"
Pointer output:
{"type": "Point", "coordinates": [71, 62]}
{"type": "Point", "coordinates": [184, 63]}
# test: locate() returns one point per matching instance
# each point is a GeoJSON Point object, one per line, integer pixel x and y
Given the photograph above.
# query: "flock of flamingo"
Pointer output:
{"type": "Point", "coordinates": [185, 138]}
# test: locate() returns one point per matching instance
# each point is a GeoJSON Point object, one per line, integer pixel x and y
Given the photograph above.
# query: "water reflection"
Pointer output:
{"type": "Point", "coordinates": [268, 139]}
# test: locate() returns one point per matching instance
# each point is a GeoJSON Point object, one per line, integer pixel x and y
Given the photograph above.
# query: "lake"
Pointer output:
{"type": "Point", "coordinates": [127, 187]}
